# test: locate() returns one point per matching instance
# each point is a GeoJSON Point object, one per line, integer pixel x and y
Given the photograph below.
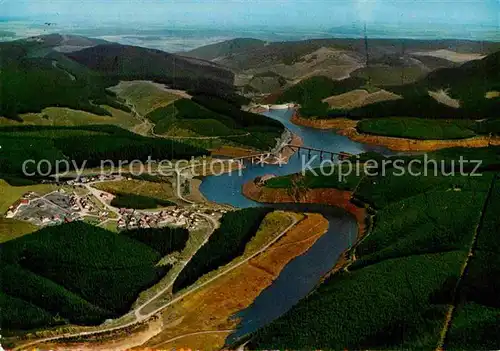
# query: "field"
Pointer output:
{"type": "Point", "coordinates": [359, 98]}
{"type": "Point", "coordinates": [210, 117]}
{"type": "Point", "coordinates": [405, 270]}
{"type": "Point", "coordinates": [61, 116]}
{"type": "Point", "coordinates": [145, 96]}
{"type": "Point", "coordinates": [417, 128]}
{"type": "Point", "coordinates": [228, 242]}
{"type": "Point", "coordinates": [476, 323]}
{"type": "Point", "coordinates": [70, 264]}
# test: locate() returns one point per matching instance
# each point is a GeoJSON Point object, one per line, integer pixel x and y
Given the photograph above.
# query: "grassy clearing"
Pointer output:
{"type": "Point", "coordinates": [145, 96]}
{"type": "Point", "coordinates": [417, 128]}
{"type": "Point", "coordinates": [61, 116]}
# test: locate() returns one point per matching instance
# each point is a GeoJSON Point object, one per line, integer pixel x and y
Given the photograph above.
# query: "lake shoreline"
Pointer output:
{"type": "Point", "coordinates": [347, 127]}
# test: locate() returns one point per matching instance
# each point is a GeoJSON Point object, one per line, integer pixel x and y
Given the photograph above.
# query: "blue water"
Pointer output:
{"type": "Point", "coordinates": [300, 276]}
{"type": "Point", "coordinates": [226, 189]}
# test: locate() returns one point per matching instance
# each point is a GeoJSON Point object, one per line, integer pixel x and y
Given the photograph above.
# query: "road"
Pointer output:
{"type": "Point", "coordinates": [140, 317]}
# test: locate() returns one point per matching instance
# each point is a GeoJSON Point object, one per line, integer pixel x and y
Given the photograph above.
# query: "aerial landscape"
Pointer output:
{"type": "Point", "coordinates": [234, 175]}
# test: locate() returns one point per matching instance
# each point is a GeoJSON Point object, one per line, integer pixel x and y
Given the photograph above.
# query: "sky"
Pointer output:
{"type": "Point", "coordinates": [319, 14]}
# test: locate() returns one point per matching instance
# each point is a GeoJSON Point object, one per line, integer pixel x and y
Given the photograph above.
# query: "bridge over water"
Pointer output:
{"type": "Point", "coordinates": [268, 157]}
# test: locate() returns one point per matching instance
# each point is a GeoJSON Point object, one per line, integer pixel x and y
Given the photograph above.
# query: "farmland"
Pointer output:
{"type": "Point", "coordinates": [70, 264]}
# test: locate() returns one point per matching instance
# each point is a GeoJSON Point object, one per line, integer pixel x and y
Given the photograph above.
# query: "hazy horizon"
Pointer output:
{"type": "Point", "coordinates": [186, 24]}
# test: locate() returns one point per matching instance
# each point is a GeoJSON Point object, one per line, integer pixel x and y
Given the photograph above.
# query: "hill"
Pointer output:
{"type": "Point", "coordinates": [407, 269]}
{"type": "Point", "coordinates": [56, 275]}
{"type": "Point", "coordinates": [388, 59]}
{"type": "Point", "coordinates": [86, 145]}
{"type": "Point", "coordinates": [75, 72]}
{"type": "Point", "coordinates": [225, 48]}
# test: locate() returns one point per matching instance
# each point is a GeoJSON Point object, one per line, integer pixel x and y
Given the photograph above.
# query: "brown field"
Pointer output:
{"type": "Point", "coordinates": [210, 308]}
{"type": "Point", "coordinates": [359, 98]}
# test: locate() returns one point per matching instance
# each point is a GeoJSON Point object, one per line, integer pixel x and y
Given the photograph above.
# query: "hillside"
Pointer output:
{"type": "Point", "coordinates": [463, 91]}
{"type": "Point", "coordinates": [225, 48]}
{"type": "Point", "coordinates": [75, 72]}
{"type": "Point", "coordinates": [86, 145]}
{"type": "Point", "coordinates": [388, 59]}
{"type": "Point", "coordinates": [407, 270]}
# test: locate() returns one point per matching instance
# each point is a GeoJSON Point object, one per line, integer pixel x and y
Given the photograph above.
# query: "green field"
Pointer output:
{"type": "Point", "coordinates": [145, 96]}
{"type": "Point", "coordinates": [228, 242]}
{"type": "Point", "coordinates": [417, 128]}
{"type": "Point", "coordinates": [71, 264]}
{"type": "Point", "coordinates": [90, 144]}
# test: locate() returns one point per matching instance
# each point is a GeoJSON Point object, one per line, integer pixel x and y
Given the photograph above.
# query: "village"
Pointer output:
{"type": "Point", "coordinates": [77, 200]}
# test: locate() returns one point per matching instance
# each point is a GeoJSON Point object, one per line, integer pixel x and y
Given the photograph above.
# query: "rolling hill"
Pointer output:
{"type": "Point", "coordinates": [388, 59]}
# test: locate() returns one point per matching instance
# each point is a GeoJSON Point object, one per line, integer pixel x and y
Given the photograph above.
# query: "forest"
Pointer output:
{"type": "Point", "coordinates": [224, 245]}
{"type": "Point", "coordinates": [87, 274]}
{"type": "Point", "coordinates": [405, 271]}
{"type": "Point", "coordinates": [476, 324]}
